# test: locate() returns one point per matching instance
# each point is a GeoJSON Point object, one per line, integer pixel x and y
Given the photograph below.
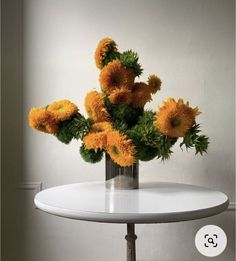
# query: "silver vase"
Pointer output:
{"type": "Point", "coordinates": [118, 177]}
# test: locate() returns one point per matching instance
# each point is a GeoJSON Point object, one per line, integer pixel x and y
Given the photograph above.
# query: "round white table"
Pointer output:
{"type": "Point", "coordinates": [151, 203]}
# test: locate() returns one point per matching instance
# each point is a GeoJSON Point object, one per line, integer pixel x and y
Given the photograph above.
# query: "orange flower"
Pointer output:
{"type": "Point", "coordinates": [103, 126]}
{"type": "Point", "coordinates": [97, 136]}
{"type": "Point", "coordinates": [154, 83]}
{"type": "Point", "coordinates": [120, 149]}
{"type": "Point", "coordinates": [95, 106]}
{"type": "Point", "coordinates": [105, 46]}
{"type": "Point", "coordinates": [42, 120]}
{"type": "Point", "coordinates": [115, 76]}
{"type": "Point", "coordinates": [141, 94]}
{"type": "Point", "coordinates": [119, 96]}
{"type": "Point", "coordinates": [62, 110]}
{"type": "Point", "coordinates": [174, 119]}
{"type": "Point", "coordinates": [95, 141]}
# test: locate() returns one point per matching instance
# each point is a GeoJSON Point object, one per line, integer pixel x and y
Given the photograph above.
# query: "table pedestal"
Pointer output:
{"type": "Point", "coordinates": [131, 237]}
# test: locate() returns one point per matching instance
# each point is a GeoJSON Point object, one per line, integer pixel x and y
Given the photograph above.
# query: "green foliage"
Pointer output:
{"type": "Point", "coordinates": [125, 114]}
{"type": "Point", "coordinates": [110, 56]}
{"type": "Point", "coordinates": [120, 125]}
{"type": "Point", "coordinates": [130, 60]}
{"type": "Point", "coordinates": [146, 153]}
{"type": "Point", "coordinates": [76, 127]}
{"type": "Point", "coordinates": [164, 146]}
{"type": "Point", "coordinates": [122, 116]}
{"type": "Point", "coordinates": [80, 126]}
{"type": "Point", "coordinates": [148, 141]}
{"type": "Point", "coordinates": [193, 139]}
{"type": "Point", "coordinates": [64, 135]}
{"type": "Point", "coordinates": [91, 156]}
{"type": "Point", "coordinates": [147, 118]}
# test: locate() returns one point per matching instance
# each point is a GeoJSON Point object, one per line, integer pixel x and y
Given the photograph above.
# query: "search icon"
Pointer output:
{"type": "Point", "coordinates": [210, 240]}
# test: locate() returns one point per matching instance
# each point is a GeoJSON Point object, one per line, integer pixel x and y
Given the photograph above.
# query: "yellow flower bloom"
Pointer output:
{"type": "Point", "coordinates": [105, 45]}
{"type": "Point", "coordinates": [141, 94]}
{"type": "Point", "coordinates": [95, 141]}
{"type": "Point", "coordinates": [115, 76]}
{"type": "Point", "coordinates": [174, 119]}
{"type": "Point", "coordinates": [42, 120]}
{"type": "Point", "coordinates": [103, 126]}
{"type": "Point", "coordinates": [62, 110]}
{"type": "Point", "coordinates": [119, 96]}
{"type": "Point", "coordinates": [95, 107]}
{"type": "Point", "coordinates": [120, 149]}
{"type": "Point", "coordinates": [97, 136]}
{"type": "Point", "coordinates": [154, 83]}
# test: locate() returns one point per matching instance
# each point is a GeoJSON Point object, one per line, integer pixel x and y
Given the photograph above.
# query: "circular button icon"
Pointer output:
{"type": "Point", "coordinates": [210, 240]}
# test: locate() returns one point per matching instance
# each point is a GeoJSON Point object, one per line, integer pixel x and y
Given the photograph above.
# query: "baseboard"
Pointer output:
{"type": "Point", "coordinates": [231, 206]}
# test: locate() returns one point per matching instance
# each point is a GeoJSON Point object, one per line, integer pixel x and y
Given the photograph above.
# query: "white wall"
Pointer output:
{"type": "Point", "coordinates": [190, 44]}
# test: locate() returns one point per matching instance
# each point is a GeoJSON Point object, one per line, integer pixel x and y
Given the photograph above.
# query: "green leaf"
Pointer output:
{"type": "Point", "coordinates": [146, 153]}
{"type": "Point", "coordinates": [80, 126]}
{"type": "Point", "coordinates": [122, 116]}
{"type": "Point", "coordinates": [110, 56]}
{"type": "Point", "coordinates": [64, 135]}
{"type": "Point", "coordinates": [91, 156]}
{"type": "Point", "coordinates": [148, 141]}
{"type": "Point", "coordinates": [193, 139]}
{"type": "Point", "coordinates": [76, 127]}
{"type": "Point", "coordinates": [130, 60]}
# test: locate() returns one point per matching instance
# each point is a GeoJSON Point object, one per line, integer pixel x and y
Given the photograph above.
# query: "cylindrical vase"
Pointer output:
{"type": "Point", "coordinates": [118, 177]}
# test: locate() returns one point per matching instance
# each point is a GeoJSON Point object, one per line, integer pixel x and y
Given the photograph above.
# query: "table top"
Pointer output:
{"type": "Point", "coordinates": [152, 203]}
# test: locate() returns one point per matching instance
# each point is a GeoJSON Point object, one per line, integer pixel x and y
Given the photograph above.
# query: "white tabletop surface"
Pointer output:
{"type": "Point", "coordinates": [151, 203]}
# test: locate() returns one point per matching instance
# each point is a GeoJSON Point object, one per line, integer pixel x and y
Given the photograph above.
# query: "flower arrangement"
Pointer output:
{"type": "Point", "coordinates": [117, 123]}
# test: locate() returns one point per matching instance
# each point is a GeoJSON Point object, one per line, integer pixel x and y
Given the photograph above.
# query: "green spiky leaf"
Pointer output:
{"type": "Point", "coordinates": [122, 116]}
{"type": "Point", "coordinates": [91, 156]}
{"type": "Point", "coordinates": [130, 60]}
{"type": "Point", "coordinates": [76, 127]}
{"type": "Point", "coordinates": [110, 56]}
{"type": "Point", "coordinates": [65, 135]}
{"type": "Point", "coordinates": [193, 139]}
{"type": "Point", "coordinates": [80, 126]}
{"type": "Point", "coordinates": [146, 153]}
{"type": "Point", "coordinates": [147, 139]}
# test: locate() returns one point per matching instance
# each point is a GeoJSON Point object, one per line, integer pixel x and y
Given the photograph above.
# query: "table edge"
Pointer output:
{"type": "Point", "coordinates": [143, 218]}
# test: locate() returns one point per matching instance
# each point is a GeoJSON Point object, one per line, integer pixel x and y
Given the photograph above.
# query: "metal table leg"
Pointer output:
{"type": "Point", "coordinates": [131, 237]}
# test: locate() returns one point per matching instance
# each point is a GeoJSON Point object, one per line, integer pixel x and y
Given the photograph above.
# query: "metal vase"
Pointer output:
{"type": "Point", "coordinates": [118, 177]}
